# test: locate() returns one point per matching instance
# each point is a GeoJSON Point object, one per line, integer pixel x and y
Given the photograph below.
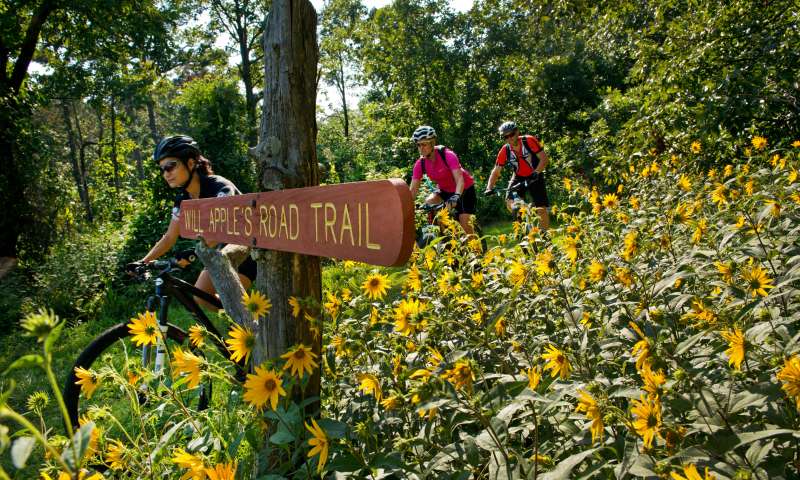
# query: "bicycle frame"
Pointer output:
{"type": "Point", "coordinates": [168, 287]}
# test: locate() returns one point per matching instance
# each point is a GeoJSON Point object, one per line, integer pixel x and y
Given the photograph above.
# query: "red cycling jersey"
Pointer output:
{"type": "Point", "coordinates": [532, 147]}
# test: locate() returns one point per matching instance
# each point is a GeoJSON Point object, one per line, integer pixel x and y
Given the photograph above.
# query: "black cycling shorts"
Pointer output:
{"type": "Point", "coordinates": [248, 268]}
{"type": "Point", "coordinates": [466, 203]}
{"type": "Point", "coordinates": [536, 189]}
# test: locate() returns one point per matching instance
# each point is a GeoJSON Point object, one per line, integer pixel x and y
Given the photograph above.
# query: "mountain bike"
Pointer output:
{"type": "Point", "coordinates": [432, 228]}
{"type": "Point", "coordinates": [521, 211]}
{"type": "Point", "coordinates": [115, 347]}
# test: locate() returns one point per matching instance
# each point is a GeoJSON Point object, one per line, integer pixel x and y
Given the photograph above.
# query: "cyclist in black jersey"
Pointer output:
{"type": "Point", "coordinates": [187, 170]}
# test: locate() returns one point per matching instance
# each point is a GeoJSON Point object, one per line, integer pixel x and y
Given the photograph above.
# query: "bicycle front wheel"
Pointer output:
{"type": "Point", "coordinates": [126, 380]}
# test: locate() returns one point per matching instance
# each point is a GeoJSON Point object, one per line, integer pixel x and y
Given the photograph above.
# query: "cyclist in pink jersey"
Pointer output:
{"type": "Point", "coordinates": [454, 184]}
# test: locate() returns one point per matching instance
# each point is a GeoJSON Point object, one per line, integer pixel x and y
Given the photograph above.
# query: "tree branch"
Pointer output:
{"type": "Point", "coordinates": [28, 47]}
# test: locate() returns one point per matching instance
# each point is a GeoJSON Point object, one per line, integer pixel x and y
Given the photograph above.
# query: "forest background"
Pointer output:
{"type": "Point", "coordinates": [600, 85]}
{"type": "Point", "coordinates": [87, 89]}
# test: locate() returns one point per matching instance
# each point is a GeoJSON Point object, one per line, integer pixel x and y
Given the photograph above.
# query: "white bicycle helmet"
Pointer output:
{"type": "Point", "coordinates": [506, 128]}
{"type": "Point", "coordinates": [423, 133]}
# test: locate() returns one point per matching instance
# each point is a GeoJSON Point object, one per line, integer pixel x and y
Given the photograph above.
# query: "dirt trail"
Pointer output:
{"type": "Point", "coordinates": [6, 265]}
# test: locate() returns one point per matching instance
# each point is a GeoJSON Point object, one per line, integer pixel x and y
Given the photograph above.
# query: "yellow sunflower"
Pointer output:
{"type": "Point", "coordinates": [222, 471]}
{"type": "Point", "coordinates": [757, 281]}
{"type": "Point", "coordinates": [736, 344]}
{"type": "Point", "coordinates": [534, 375]}
{"type": "Point", "coordinates": [718, 195]}
{"type": "Point", "coordinates": [375, 286]}
{"type": "Point", "coordinates": [610, 201]}
{"type": "Point", "coordinates": [477, 279]}
{"type": "Point", "coordinates": [392, 402]}
{"type": "Point", "coordinates": [653, 381]}
{"type": "Point", "coordinates": [300, 359]}
{"type": "Point", "coordinates": [597, 271]}
{"type": "Point", "coordinates": [192, 463]}
{"type": "Point", "coordinates": [630, 245]}
{"type": "Point", "coordinates": [295, 305]}
{"type": "Point", "coordinates": [414, 279]}
{"type": "Point", "coordinates": [370, 385]}
{"type": "Point", "coordinates": [461, 375]}
{"type": "Point", "coordinates": [588, 405]}
{"type": "Point", "coordinates": [333, 305]}
{"type": "Point", "coordinates": [696, 147]}
{"type": "Point", "coordinates": [690, 473]}
{"type": "Point", "coordinates": [144, 329]}
{"type": "Point", "coordinates": [790, 376]}
{"type": "Point", "coordinates": [406, 317]}
{"type": "Point", "coordinates": [320, 443]}
{"type": "Point", "coordinates": [241, 343]}
{"type": "Point", "coordinates": [116, 455]}
{"type": "Point", "coordinates": [257, 304]}
{"type": "Point", "coordinates": [570, 247]}
{"type": "Point", "coordinates": [88, 380]}
{"type": "Point", "coordinates": [558, 363]}
{"type": "Point", "coordinates": [517, 273]}
{"type": "Point", "coordinates": [545, 263]}
{"type": "Point", "coordinates": [184, 361]}
{"type": "Point", "coordinates": [262, 387]}
{"type": "Point", "coordinates": [726, 270]}
{"type": "Point", "coordinates": [684, 183]}
{"type": "Point", "coordinates": [197, 335]}
{"type": "Point", "coordinates": [623, 276]}
{"type": "Point", "coordinates": [640, 350]}
{"type": "Point", "coordinates": [647, 419]}
{"type": "Point", "coordinates": [759, 142]}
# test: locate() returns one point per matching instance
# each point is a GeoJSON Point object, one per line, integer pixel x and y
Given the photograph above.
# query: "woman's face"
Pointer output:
{"type": "Point", "coordinates": [175, 171]}
{"type": "Point", "coordinates": [425, 147]}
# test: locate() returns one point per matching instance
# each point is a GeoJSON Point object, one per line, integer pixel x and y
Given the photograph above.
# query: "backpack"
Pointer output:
{"type": "Point", "coordinates": [441, 151]}
{"type": "Point", "coordinates": [526, 148]}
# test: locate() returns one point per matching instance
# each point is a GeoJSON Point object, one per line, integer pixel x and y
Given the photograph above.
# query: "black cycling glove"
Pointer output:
{"type": "Point", "coordinates": [453, 200]}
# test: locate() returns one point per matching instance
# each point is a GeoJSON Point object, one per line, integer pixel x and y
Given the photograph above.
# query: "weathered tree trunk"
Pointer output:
{"type": "Point", "coordinates": [343, 92]}
{"type": "Point", "coordinates": [247, 79]}
{"type": "Point", "coordinates": [130, 112]}
{"type": "Point", "coordinates": [151, 121]}
{"type": "Point", "coordinates": [114, 159]}
{"type": "Point", "coordinates": [77, 174]}
{"type": "Point", "coordinates": [287, 158]}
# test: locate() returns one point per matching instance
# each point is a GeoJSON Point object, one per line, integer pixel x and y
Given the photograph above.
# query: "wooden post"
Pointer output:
{"type": "Point", "coordinates": [287, 158]}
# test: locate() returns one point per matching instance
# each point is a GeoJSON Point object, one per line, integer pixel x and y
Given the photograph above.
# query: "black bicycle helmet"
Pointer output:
{"type": "Point", "coordinates": [423, 133]}
{"type": "Point", "coordinates": [506, 128]}
{"type": "Point", "coordinates": [183, 147]}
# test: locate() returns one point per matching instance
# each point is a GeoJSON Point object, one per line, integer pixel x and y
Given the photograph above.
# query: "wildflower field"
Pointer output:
{"type": "Point", "coordinates": [653, 333]}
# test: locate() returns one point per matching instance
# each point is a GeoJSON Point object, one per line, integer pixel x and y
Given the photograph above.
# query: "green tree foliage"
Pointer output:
{"type": "Point", "coordinates": [214, 111]}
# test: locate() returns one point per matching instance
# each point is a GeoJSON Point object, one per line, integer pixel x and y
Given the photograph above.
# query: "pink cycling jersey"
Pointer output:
{"type": "Point", "coordinates": [440, 173]}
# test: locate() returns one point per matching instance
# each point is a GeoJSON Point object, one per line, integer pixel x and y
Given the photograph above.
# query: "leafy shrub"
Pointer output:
{"type": "Point", "coordinates": [78, 272]}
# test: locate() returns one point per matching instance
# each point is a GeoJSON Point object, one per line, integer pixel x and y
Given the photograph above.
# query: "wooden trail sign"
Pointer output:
{"type": "Point", "coordinates": [371, 222]}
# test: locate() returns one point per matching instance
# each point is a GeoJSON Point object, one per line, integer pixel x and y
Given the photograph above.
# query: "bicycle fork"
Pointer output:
{"type": "Point", "coordinates": [160, 347]}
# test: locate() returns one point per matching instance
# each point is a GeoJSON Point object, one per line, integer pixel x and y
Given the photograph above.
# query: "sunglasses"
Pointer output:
{"type": "Point", "coordinates": [168, 167]}
{"type": "Point", "coordinates": [424, 144]}
{"type": "Point", "coordinates": [508, 135]}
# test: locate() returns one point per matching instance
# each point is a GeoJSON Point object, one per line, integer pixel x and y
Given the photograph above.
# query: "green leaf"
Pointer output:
{"type": "Point", "coordinates": [21, 450]}
{"type": "Point", "coordinates": [743, 400]}
{"type": "Point", "coordinates": [685, 345]}
{"type": "Point", "coordinates": [758, 452]}
{"type": "Point", "coordinates": [333, 428]}
{"type": "Point", "coordinates": [750, 437]}
{"type": "Point", "coordinates": [282, 437]}
{"type": "Point", "coordinates": [79, 445]}
{"type": "Point", "coordinates": [165, 439]}
{"type": "Point", "coordinates": [26, 361]}
{"type": "Point", "coordinates": [54, 335]}
{"type": "Point", "coordinates": [564, 468]}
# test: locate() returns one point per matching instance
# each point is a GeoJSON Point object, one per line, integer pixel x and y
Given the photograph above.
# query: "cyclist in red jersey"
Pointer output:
{"type": "Point", "coordinates": [441, 165]}
{"type": "Point", "coordinates": [527, 159]}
